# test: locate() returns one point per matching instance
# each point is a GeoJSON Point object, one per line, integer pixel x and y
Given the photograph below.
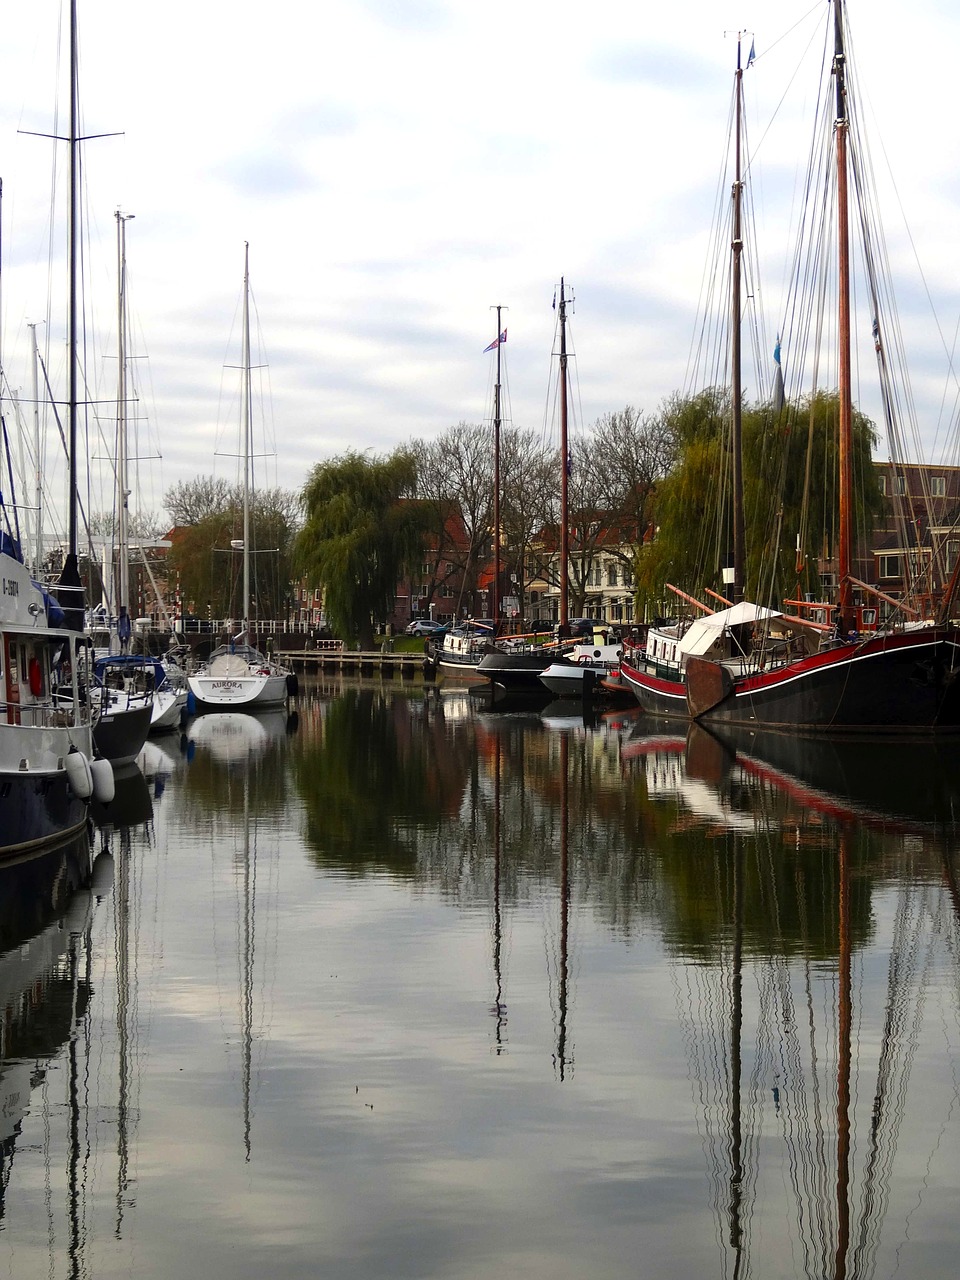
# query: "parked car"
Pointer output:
{"type": "Point", "coordinates": [582, 627]}
{"type": "Point", "coordinates": [423, 627]}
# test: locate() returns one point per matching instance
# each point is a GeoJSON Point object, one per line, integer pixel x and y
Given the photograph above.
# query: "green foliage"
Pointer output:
{"type": "Point", "coordinates": [360, 537]}
{"type": "Point", "coordinates": [211, 572]}
{"type": "Point", "coordinates": [790, 493]}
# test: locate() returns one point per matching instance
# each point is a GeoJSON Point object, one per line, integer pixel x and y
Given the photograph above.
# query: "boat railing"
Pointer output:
{"type": "Point", "coordinates": [43, 715]}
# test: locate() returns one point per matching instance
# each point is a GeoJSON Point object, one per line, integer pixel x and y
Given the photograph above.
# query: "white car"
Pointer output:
{"type": "Point", "coordinates": [422, 627]}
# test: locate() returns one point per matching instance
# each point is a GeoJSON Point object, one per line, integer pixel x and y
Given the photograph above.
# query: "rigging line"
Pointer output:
{"type": "Point", "coordinates": [898, 1049]}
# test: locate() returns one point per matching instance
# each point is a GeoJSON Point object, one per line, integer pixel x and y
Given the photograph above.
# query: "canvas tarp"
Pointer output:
{"type": "Point", "coordinates": [703, 633]}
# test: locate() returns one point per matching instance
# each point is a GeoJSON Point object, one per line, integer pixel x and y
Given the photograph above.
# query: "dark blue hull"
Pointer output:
{"type": "Point", "coordinates": [35, 809]}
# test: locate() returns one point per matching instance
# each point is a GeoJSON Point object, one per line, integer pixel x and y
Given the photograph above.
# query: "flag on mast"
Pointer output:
{"type": "Point", "coordinates": [778, 394]}
{"type": "Point", "coordinates": [496, 342]}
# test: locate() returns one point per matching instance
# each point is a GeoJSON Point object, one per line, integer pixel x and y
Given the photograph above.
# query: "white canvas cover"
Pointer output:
{"type": "Point", "coordinates": [228, 666]}
{"type": "Point", "coordinates": [707, 630]}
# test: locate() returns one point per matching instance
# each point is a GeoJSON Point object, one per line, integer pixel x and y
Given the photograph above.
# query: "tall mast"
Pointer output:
{"type": "Point", "coordinates": [496, 487]}
{"type": "Point", "coordinates": [70, 587]}
{"type": "Point", "coordinates": [123, 493]}
{"type": "Point", "coordinates": [38, 478]}
{"type": "Point", "coordinates": [564, 471]}
{"type": "Point", "coordinates": [736, 390]}
{"type": "Point", "coordinates": [845, 541]}
{"type": "Point", "coordinates": [246, 413]}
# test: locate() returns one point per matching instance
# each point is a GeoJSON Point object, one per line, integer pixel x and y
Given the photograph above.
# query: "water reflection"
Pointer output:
{"type": "Point", "coordinates": [530, 986]}
{"type": "Point", "coordinates": [44, 912]}
{"type": "Point", "coordinates": [233, 758]}
{"type": "Point", "coordinates": [822, 863]}
{"type": "Point", "coordinates": [237, 770]}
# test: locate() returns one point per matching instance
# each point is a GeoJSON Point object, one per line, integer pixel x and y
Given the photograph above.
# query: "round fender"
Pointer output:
{"type": "Point", "coordinates": [78, 773]}
{"type": "Point", "coordinates": [104, 783]}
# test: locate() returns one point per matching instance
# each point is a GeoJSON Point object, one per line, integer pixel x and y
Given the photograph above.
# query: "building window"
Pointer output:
{"type": "Point", "coordinates": [883, 485]}
{"type": "Point", "coordinates": [901, 485]}
{"type": "Point", "coordinates": [611, 574]}
{"type": "Point", "coordinates": [889, 566]}
{"type": "Point", "coordinates": [938, 486]}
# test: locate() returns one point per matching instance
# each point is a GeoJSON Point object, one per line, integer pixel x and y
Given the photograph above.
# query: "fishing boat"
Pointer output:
{"type": "Point", "coordinates": [237, 674]}
{"type": "Point", "coordinates": [48, 770]}
{"type": "Point", "coordinates": [47, 766]}
{"type": "Point", "coordinates": [822, 668]}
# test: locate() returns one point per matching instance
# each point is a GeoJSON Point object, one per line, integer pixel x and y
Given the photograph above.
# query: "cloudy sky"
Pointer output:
{"type": "Point", "coordinates": [401, 166]}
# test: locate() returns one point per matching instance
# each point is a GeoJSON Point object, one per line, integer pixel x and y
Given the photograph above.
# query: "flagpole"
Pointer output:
{"type": "Point", "coordinates": [498, 342]}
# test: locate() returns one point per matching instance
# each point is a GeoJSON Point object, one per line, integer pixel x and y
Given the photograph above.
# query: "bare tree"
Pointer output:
{"type": "Point", "coordinates": [528, 506]}
{"type": "Point", "coordinates": [190, 501]}
{"type": "Point", "coordinates": [455, 475]}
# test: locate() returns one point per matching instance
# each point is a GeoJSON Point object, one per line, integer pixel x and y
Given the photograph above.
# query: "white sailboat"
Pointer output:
{"type": "Point", "coordinates": [238, 674]}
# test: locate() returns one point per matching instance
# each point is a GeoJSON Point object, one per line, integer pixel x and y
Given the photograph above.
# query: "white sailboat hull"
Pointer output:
{"type": "Point", "coordinates": [211, 690]}
{"type": "Point", "coordinates": [168, 706]}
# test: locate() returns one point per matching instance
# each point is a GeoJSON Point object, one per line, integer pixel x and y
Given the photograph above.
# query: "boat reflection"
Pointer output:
{"type": "Point", "coordinates": [815, 929]}
{"type": "Point", "coordinates": [132, 803]}
{"type": "Point", "coordinates": [229, 736]}
{"type": "Point", "coordinates": [231, 753]}
{"type": "Point", "coordinates": [45, 909]}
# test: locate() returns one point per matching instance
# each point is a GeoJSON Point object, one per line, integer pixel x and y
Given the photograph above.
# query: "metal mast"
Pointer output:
{"type": "Point", "coordinates": [123, 493]}
{"type": "Point", "coordinates": [70, 587]}
{"type": "Point", "coordinates": [564, 472]}
{"type": "Point", "coordinates": [247, 428]}
{"type": "Point", "coordinates": [496, 486]}
{"type": "Point", "coordinates": [844, 380]}
{"type": "Point", "coordinates": [736, 388]}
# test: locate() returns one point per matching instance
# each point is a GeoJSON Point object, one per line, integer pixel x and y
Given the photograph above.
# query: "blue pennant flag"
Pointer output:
{"type": "Point", "coordinates": [779, 397]}
{"type": "Point", "coordinates": [496, 342]}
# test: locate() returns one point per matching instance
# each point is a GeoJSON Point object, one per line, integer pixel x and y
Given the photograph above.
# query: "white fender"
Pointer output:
{"type": "Point", "coordinates": [101, 877]}
{"type": "Point", "coordinates": [77, 915]}
{"type": "Point", "coordinates": [78, 773]}
{"type": "Point", "coordinates": [104, 783]}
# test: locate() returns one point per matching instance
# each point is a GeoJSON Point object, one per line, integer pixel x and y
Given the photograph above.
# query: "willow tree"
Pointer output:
{"type": "Point", "coordinates": [362, 534]}
{"type": "Point", "coordinates": [790, 496]}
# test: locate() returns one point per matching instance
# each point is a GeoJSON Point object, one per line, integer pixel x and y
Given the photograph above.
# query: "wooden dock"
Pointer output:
{"type": "Point", "coordinates": [380, 662]}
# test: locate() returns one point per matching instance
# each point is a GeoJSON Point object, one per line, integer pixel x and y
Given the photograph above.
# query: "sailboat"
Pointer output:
{"type": "Point", "coordinates": [516, 670]}
{"type": "Point", "coordinates": [237, 674]}
{"type": "Point", "coordinates": [750, 665]}
{"type": "Point", "coordinates": [47, 767]}
{"type": "Point", "coordinates": [124, 683]}
{"type": "Point", "coordinates": [463, 647]}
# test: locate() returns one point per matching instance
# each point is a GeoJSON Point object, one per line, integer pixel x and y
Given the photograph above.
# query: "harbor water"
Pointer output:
{"type": "Point", "coordinates": [394, 984]}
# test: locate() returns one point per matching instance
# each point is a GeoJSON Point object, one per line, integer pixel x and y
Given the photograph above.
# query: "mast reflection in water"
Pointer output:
{"type": "Point", "coordinates": [403, 986]}
{"type": "Point", "coordinates": [807, 893]}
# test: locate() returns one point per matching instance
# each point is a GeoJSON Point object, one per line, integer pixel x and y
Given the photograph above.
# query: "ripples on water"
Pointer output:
{"type": "Point", "coordinates": [399, 987]}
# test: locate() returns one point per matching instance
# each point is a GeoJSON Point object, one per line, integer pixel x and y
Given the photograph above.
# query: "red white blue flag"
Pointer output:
{"type": "Point", "coordinates": [496, 342]}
